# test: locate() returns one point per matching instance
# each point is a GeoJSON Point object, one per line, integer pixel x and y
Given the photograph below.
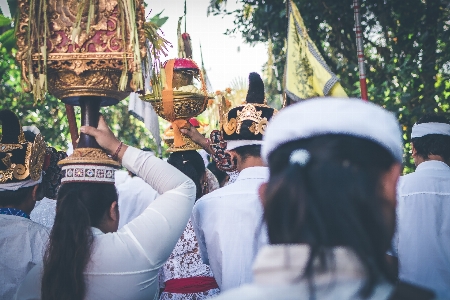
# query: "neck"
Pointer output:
{"type": "Point", "coordinates": [419, 160]}
{"type": "Point", "coordinates": [249, 162]}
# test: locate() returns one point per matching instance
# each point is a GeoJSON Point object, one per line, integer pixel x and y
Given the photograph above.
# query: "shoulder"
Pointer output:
{"type": "Point", "coordinates": [37, 230]}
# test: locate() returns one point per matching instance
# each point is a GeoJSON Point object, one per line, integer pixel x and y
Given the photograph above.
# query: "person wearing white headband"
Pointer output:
{"type": "Point", "coordinates": [329, 204]}
{"type": "Point", "coordinates": [422, 242]}
{"type": "Point", "coordinates": [22, 241]}
{"type": "Point", "coordinates": [227, 220]}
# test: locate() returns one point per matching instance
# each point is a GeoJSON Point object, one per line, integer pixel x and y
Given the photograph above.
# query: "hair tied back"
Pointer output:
{"type": "Point", "coordinates": [300, 157]}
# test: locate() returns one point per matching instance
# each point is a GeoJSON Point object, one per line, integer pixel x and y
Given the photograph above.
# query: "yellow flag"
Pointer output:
{"type": "Point", "coordinates": [307, 74]}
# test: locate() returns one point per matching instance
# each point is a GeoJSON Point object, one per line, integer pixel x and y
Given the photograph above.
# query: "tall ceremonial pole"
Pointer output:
{"type": "Point", "coordinates": [360, 50]}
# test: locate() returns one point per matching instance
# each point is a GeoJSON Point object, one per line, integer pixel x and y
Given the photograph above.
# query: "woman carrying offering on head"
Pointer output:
{"type": "Point", "coordinates": [87, 257]}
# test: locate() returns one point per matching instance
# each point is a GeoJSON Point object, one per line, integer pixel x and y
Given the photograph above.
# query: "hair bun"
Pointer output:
{"type": "Point", "coordinates": [255, 92]}
{"type": "Point", "coordinates": [11, 128]}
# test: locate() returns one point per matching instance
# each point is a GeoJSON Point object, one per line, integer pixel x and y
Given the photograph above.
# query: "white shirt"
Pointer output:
{"type": "Point", "coordinates": [228, 225]}
{"type": "Point", "coordinates": [278, 271]}
{"type": "Point", "coordinates": [125, 264]}
{"type": "Point", "coordinates": [44, 212]}
{"type": "Point", "coordinates": [22, 246]}
{"type": "Point", "coordinates": [135, 195]}
{"type": "Point", "coordinates": [423, 227]}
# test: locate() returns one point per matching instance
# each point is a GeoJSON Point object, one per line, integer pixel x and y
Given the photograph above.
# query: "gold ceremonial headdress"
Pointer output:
{"type": "Point", "coordinates": [22, 154]}
{"type": "Point", "coordinates": [246, 124]}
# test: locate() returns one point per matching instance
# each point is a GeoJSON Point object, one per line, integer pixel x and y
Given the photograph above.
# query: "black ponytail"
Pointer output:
{"type": "Point", "coordinates": [192, 165]}
{"type": "Point", "coordinates": [80, 206]}
{"type": "Point", "coordinates": [332, 200]}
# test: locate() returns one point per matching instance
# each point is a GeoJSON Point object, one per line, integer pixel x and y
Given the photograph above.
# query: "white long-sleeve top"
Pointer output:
{"type": "Point", "coordinates": [229, 230]}
{"type": "Point", "coordinates": [422, 241]}
{"type": "Point", "coordinates": [125, 264]}
{"type": "Point", "coordinates": [22, 246]}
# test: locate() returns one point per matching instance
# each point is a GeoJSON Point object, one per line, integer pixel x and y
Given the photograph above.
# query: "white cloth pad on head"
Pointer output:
{"type": "Point", "coordinates": [240, 143]}
{"type": "Point", "coordinates": [14, 186]}
{"type": "Point", "coordinates": [420, 130]}
{"type": "Point", "coordinates": [321, 116]}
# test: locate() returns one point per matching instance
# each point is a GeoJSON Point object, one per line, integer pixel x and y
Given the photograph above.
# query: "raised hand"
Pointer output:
{"type": "Point", "coordinates": [104, 137]}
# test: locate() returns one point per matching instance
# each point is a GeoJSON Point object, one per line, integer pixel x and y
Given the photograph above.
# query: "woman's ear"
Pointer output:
{"type": "Point", "coordinates": [114, 211]}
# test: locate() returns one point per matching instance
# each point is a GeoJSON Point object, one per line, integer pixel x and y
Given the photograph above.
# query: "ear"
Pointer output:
{"type": "Point", "coordinates": [235, 158]}
{"type": "Point", "coordinates": [34, 192]}
{"type": "Point", "coordinates": [413, 150]}
{"type": "Point", "coordinates": [114, 211]}
{"type": "Point", "coordinates": [389, 183]}
{"type": "Point", "coordinates": [262, 193]}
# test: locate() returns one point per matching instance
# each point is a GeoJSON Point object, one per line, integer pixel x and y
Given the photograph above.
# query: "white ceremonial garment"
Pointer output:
{"type": "Point", "coordinates": [22, 246]}
{"type": "Point", "coordinates": [278, 271]}
{"type": "Point", "coordinates": [125, 264]}
{"type": "Point", "coordinates": [135, 195]}
{"type": "Point", "coordinates": [422, 241]}
{"type": "Point", "coordinates": [185, 262]}
{"type": "Point", "coordinates": [120, 176]}
{"type": "Point", "coordinates": [228, 225]}
{"type": "Point", "coordinates": [44, 212]}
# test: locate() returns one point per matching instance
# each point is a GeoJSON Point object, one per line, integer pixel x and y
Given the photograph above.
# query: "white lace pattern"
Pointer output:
{"type": "Point", "coordinates": [185, 262]}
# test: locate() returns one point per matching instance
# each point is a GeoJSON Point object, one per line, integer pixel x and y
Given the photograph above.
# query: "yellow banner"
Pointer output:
{"type": "Point", "coordinates": [307, 74]}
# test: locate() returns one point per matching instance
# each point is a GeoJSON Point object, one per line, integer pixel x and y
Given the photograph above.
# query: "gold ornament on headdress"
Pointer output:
{"type": "Point", "coordinates": [34, 160]}
{"type": "Point", "coordinates": [249, 112]}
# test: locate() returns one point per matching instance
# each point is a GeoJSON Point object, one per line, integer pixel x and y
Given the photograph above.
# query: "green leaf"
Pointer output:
{"type": "Point", "coordinates": [158, 20]}
{"type": "Point", "coordinates": [4, 21]}
{"type": "Point", "coordinates": [8, 40]}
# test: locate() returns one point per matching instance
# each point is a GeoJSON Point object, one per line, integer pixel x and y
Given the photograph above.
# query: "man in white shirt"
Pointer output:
{"type": "Point", "coordinates": [22, 241]}
{"type": "Point", "coordinates": [135, 195]}
{"type": "Point", "coordinates": [229, 221]}
{"type": "Point", "coordinates": [422, 242]}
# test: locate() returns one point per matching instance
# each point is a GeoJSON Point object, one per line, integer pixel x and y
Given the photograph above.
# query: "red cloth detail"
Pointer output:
{"type": "Point", "coordinates": [190, 285]}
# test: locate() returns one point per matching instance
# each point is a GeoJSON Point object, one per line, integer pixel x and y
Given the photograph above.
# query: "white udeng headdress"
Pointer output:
{"type": "Point", "coordinates": [422, 129]}
{"type": "Point", "coordinates": [320, 116]}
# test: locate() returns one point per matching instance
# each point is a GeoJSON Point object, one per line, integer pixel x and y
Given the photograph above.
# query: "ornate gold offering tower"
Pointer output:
{"type": "Point", "coordinates": [179, 93]}
{"type": "Point", "coordinates": [87, 53]}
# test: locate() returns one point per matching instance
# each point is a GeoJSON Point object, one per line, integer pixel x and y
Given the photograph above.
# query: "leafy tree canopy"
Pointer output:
{"type": "Point", "coordinates": [406, 44]}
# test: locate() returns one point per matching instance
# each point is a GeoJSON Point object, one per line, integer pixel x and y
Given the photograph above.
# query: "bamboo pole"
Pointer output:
{"type": "Point", "coordinates": [72, 124]}
{"type": "Point", "coordinates": [360, 50]}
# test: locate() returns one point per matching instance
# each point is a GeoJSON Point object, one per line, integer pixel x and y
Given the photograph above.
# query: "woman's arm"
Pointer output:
{"type": "Point", "coordinates": [156, 231]}
{"type": "Point", "coordinates": [159, 227]}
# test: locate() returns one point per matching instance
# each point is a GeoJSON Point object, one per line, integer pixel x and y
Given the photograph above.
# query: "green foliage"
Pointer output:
{"type": "Point", "coordinates": [158, 20]}
{"type": "Point", "coordinates": [407, 48]}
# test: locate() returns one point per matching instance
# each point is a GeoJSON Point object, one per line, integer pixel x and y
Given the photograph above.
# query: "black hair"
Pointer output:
{"type": "Point", "coordinates": [15, 198]}
{"type": "Point", "coordinates": [248, 151]}
{"type": "Point", "coordinates": [333, 200]}
{"type": "Point", "coordinates": [220, 175]}
{"type": "Point", "coordinates": [79, 207]}
{"type": "Point", "coordinates": [192, 165]}
{"type": "Point", "coordinates": [433, 144]}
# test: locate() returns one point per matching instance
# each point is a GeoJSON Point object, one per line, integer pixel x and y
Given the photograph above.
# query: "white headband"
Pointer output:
{"type": "Point", "coordinates": [420, 130]}
{"type": "Point", "coordinates": [88, 173]}
{"type": "Point", "coordinates": [240, 143]}
{"type": "Point", "coordinates": [322, 116]}
{"type": "Point", "coordinates": [14, 186]}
